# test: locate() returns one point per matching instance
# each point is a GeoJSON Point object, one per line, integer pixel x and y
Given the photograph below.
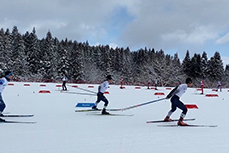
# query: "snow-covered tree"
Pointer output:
{"type": "Point", "coordinates": [76, 62]}
{"type": "Point", "coordinates": [216, 67]}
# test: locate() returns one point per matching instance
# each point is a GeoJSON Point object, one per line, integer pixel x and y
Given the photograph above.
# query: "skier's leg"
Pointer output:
{"type": "Point", "coordinates": [173, 108]}
{"type": "Point", "coordinates": [2, 105]}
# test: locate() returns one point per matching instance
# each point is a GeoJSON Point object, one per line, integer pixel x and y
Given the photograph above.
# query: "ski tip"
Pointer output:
{"type": "Point", "coordinates": [21, 122]}
{"type": "Point", "coordinates": [17, 115]}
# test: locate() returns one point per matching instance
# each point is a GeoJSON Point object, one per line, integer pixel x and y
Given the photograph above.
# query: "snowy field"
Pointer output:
{"type": "Point", "coordinates": [59, 129]}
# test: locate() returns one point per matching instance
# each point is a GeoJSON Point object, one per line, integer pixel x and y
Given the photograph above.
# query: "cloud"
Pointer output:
{"type": "Point", "coordinates": [169, 25]}
{"type": "Point", "coordinates": [223, 40]}
{"type": "Point", "coordinates": [112, 45]}
{"type": "Point", "coordinates": [225, 60]}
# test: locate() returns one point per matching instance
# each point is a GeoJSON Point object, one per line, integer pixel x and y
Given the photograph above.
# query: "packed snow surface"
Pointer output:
{"type": "Point", "coordinates": [59, 129]}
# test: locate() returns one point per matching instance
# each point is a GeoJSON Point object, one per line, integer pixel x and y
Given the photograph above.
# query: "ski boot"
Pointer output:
{"type": "Point", "coordinates": [167, 119]}
{"type": "Point", "coordinates": [104, 112]}
{"type": "Point", "coordinates": [94, 108]}
{"type": "Point", "coordinates": [2, 120]}
{"type": "Point", "coordinates": [181, 123]}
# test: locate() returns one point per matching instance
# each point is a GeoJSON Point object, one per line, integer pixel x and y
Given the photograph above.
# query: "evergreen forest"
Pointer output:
{"type": "Point", "coordinates": [49, 59]}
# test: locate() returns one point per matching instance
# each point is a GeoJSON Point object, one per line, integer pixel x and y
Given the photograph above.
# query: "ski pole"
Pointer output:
{"type": "Point", "coordinates": [86, 90]}
{"type": "Point", "coordinates": [142, 104]}
{"type": "Point", "coordinates": [80, 93]}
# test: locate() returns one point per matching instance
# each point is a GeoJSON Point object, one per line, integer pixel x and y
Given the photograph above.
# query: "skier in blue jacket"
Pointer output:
{"type": "Point", "coordinates": [3, 82]}
{"type": "Point", "coordinates": [176, 93]}
{"type": "Point", "coordinates": [100, 95]}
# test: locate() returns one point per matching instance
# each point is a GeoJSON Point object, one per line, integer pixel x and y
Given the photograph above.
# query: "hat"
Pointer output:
{"type": "Point", "coordinates": [109, 77]}
{"type": "Point", "coordinates": [8, 73]}
{"type": "Point", "coordinates": [188, 80]}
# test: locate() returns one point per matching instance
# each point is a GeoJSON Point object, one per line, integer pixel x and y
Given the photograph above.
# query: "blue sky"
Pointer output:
{"type": "Point", "coordinates": [174, 26]}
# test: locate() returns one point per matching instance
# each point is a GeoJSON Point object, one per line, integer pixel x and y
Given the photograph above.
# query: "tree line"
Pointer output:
{"type": "Point", "coordinates": [49, 59]}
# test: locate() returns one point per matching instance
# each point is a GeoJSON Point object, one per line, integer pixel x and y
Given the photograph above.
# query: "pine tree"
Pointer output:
{"type": "Point", "coordinates": [195, 66]}
{"type": "Point", "coordinates": [204, 65]}
{"type": "Point", "coordinates": [3, 60]}
{"type": "Point", "coordinates": [107, 60]}
{"type": "Point", "coordinates": [226, 76]}
{"type": "Point", "coordinates": [33, 53]}
{"type": "Point", "coordinates": [186, 65]}
{"type": "Point", "coordinates": [216, 67]}
{"type": "Point", "coordinates": [48, 59]}
{"type": "Point", "coordinates": [20, 65]}
{"type": "Point", "coordinates": [63, 64]}
{"type": "Point", "coordinates": [127, 69]}
{"type": "Point", "coordinates": [76, 62]}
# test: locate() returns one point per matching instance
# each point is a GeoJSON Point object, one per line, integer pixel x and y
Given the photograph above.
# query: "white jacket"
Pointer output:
{"type": "Point", "coordinates": [181, 90]}
{"type": "Point", "coordinates": [3, 83]}
{"type": "Point", "coordinates": [103, 87]}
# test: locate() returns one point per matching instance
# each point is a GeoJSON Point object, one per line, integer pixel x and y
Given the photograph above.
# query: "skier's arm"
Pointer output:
{"type": "Point", "coordinates": [171, 93]}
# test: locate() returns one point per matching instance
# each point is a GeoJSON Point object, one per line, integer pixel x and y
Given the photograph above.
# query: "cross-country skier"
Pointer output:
{"type": "Point", "coordinates": [202, 86]}
{"type": "Point", "coordinates": [155, 81]}
{"type": "Point", "coordinates": [3, 82]}
{"type": "Point", "coordinates": [219, 86]}
{"type": "Point", "coordinates": [176, 93]}
{"type": "Point", "coordinates": [64, 83]}
{"type": "Point", "coordinates": [121, 83]}
{"type": "Point", "coordinates": [100, 95]}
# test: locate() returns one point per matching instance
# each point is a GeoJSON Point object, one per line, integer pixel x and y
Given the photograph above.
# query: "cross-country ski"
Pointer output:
{"type": "Point", "coordinates": [20, 122]}
{"type": "Point", "coordinates": [188, 125]}
{"type": "Point", "coordinates": [111, 114]}
{"type": "Point", "coordinates": [16, 115]}
{"type": "Point", "coordinates": [173, 120]}
{"type": "Point", "coordinates": [96, 110]}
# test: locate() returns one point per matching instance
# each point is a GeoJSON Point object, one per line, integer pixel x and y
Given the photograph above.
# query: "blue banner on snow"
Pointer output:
{"type": "Point", "coordinates": [85, 104]}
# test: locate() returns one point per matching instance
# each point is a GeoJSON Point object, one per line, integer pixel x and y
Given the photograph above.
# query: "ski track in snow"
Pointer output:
{"type": "Point", "coordinates": [60, 129]}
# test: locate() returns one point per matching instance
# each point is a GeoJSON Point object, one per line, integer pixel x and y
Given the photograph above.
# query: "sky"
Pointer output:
{"type": "Point", "coordinates": [173, 26]}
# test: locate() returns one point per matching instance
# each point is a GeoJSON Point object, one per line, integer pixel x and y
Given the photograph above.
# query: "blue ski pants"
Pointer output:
{"type": "Point", "coordinates": [2, 104]}
{"type": "Point", "coordinates": [100, 97]}
{"type": "Point", "coordinates": [175, 100]}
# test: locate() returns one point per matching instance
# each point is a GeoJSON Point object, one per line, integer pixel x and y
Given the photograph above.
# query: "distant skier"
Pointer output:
{"type": "Point", "coordinates": [121, 83]}
{"type": "Point", "coordinates": [64, 83]}
{"type": "Point", "coordinates": [176, 93]}
{"type": "Point", "coordinates": [219, 86]}
{"type": "Point", "coordinates": [3, 83]}
{"type": "Point", "coordinates": [148, 84]}
{"type": "Point", "coordinates": [202, 86]}
{"type": "Point", "coordinates": [155, 81]}
{"type": "Point", "coordinates": [100, 95]}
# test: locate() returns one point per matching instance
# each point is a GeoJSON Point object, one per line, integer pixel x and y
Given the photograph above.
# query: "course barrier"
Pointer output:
{"type": "Point", "coordinates": [159, 93]}
{"type": "Point", "coordinates": [191, 106]}
{"type": "Point", "coordinates": [211, 95]}
{"type": "Point", "coordinates": [44, 91]}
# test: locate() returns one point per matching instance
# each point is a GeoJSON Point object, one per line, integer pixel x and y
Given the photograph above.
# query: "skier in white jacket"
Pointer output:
{"type": "Point", "coordinates": [176, 93]}
{"type": "Point", "coordinates": [3, 82]}
{"type": "Point", "coordinates": [100, 95]}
